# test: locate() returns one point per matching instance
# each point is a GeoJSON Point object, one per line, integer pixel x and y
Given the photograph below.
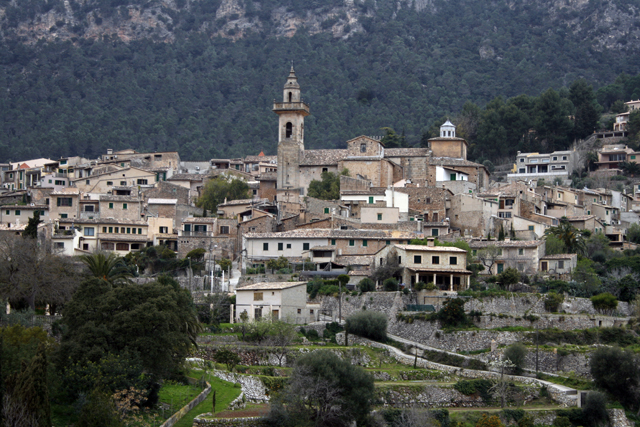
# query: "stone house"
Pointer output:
{"type": "Point", "coordinates": [316, 209]}
{"type": "Point", "coordinates": [379, 215]}
{"type": "Point", "coordinates": [120, 177]}
{"type": "Point", "coordinates": [191, 181]}
{"type": "Point", "coordinates": [523, 255]}
{"type": "Point", "coordinates": [19, 214]}
{"type": "Point", "coordinates": [161, 232]}
{"type": "Point", "coordinates": [161, 208]}
{"type": "Point", "coordinates": [167, 161]}
{"type": "Point", "coordinates": [267, 186]}
{"type": "Point", "coordinates": [443, 169]}
{"type": "Point", "coordinates": [120, 207]}
{"type": "Point", "coordinates": [380, 197]}
{"type": "Point", "coordinates": [474, 216]}
{"type": "Point", "coordinates": [587, 222]}
{"type": "Point", "coordinates": [167, 190]}
{"type": "Point", "coordinates": [560, 266]}
{"type": "Point", "coordinates": [285, 301]}
{"type": "Point", "coordinates": [64, 203]}
{"type": "Point", "coordinates": [610, 156]}
{"type": "Point", "coordinates": [216, 236]}
{"type": "Point", "coordinates": [429, 203]}
{"type": "Point", "coordinates": [444, 266]}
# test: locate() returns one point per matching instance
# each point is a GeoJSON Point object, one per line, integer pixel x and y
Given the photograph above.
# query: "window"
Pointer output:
{"type": "Point", "coordinates": [129, 229]}
{"type": "Point", "coordinates": [133, 230]}
{"type": "Point", "coordinates": [520, 251]}
{"type": "Point", "coordinates": [305, 246]}
{"type": "Point", "coordinates": [108, 246]}
{"type": "Point", "coordinates": [122, 246]}
{"type": "Point", "coordinates": [299, 311]}
{"type": "Point", "coordinates": [521, 160]}
{"type": "Point", "coordinates": [379, 217]}
{"type": "Point", "coordinates": [371, 199]}
{"type": "Point", "coordinates": [50, 181]}
{"type": "Point", "coordinates": [109, 182]}
{"type": "Point", "coordinates": [434, 217]}
{"type": "Point", "coordinates": [363, 147]}
{"type": "Point", "coordinates": [110, 205]}
{"type": "Point", "coordinates": [61, 215]}
{"type": "Point", "coordinates": [607, 212]}
{"type": "Point", "coordinates": [435, 260]}
{"type": "Point", "coordinates": [59, 245]}
{"type": "Point", "coordinates": [7, 212]}
{"type": "Point", "coordinates": [124, 206]}
{"type": "Point", "coordinates": [500, 251]}
{"type": "Point", "coordinates": [364, 243]}
{"type": "Point", "coordinates": [588, 212]}
{"type": "Point", "coordinates": [88, 208]}
{"type": "Point", "coordinates": [163, 230]}
{"type": "Point", "coordinates": [123, 183]}
{"type": "Point", "coordinates": [142, 182]}
{"type": "Point", "coordinates": [555, 158]}
{"type": "Point", "coordinates": [399, 260]}
{"type": "Point", "coordinates": [59, 182]}
{"type": "Point", "coordinates": [617, 157]}
{"type": "Point", "coordinates": [417, 259]}
{"type": "Point", "coordinates": [388, 242]}
{"type": "Point", "coordinates": [504, 214]}
{"type": "Point", "coordinates": [139, 230]}
{"type": "Point", "coordinates": [325, 169]}
{"type": "Point", "coordinates": [434, 232]}
{"type": "Point", "coordinates": [633, 157]}
{"type": "Point", "coordinates": [531, 228]}
{"type": "Point", "coordinates": [453, 260]}
{"type": "Point", "coordinates": [560, 264]}
{"type": "Point", "coordinates": [224, 229]}
{"type": "Point", "coordinates": [452, 177]}
{"type": "Point", "coordinates": [280, 246]}
{"type": "Point", "coordinates": [104, 229]}
{"type": "Point", "coordinates": [288, 245]}
{"type": "Point", "coordinates": [65, 201]}
{"type": "Point", "coordinates": [110, 229]}
{"type": "Point", "coordinates": [257, 296]}
{"type": "Point", "coordinates": [500, 268]}
{"type": "Point", "coordinates": [333, 242]}
{"type": "Point", "coordinates": [474, 252]}
{"type": "Point", "coordinates": [352, 242]}
{"type": "Point", "coordinates": [564, 157]}
{"type": "Point", "coordinates": [89, 231]}
{"type": "Point", "coordinates": [288, 130]}
{"type": "Point", "coordinates": [265, 246]}
{"type": "Point", "coordinates": [326, 210]}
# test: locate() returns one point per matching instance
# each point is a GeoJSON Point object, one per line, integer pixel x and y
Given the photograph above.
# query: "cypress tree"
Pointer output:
{"type": "Point", "coordinates": [31, 230]}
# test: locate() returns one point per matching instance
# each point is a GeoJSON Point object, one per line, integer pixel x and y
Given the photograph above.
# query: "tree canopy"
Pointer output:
{"type": "Point", "coordinates": [217, 190]}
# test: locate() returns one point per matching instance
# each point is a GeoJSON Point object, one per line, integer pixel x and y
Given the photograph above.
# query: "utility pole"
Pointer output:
{"type": "Point", "coordinates": [537, 346]}
{"type": "Point", "coordinates": [190, 275]}
{"type": "Point", "coordinates": [340, 302]}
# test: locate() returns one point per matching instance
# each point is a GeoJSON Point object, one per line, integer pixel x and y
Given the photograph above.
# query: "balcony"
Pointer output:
{"type": "Point", "coordinates": [290, 106]}
{"type": "Point", "coordinates": [196, 233]}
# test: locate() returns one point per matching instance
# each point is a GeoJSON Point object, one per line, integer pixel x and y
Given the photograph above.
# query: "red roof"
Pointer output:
{"type": "Point", "coordinates": [24, 166]}
{"type": "Point", "coordinates": [261, 154]}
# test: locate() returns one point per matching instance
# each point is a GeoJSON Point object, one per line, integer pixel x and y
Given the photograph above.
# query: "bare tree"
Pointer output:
{"type": "Point", "coordinates": [309, 394]}
{"type": "Point", "coordinates": [415, 417]}
{"type": "Point", "coordinates": [30, 272]}
{"type": "Point", "coordinates": [16, 413]}
{"type": "Point", "coordinates": [390, 268]}
{"type": "Point", "coordinates": [281, 336]}
{"type": "Point", "coordinates": [501, 388]}
{"type": "Point", "coordinates": [488, 256]}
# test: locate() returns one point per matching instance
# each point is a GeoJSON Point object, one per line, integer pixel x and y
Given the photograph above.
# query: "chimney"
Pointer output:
{"type": "Point", "coordinates": [109, 150]}
{"type": "Point", "coordinates": [431, 241]}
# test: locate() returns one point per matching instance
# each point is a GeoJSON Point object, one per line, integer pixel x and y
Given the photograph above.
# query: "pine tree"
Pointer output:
{"type": "Point", "coordinates": [501, 233]}
{"type": "Point", "coordinates": [31, 230]}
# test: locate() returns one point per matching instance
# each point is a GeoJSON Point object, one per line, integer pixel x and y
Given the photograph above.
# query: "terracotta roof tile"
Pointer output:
{"type": "Point", "coordinates": [322, 157]}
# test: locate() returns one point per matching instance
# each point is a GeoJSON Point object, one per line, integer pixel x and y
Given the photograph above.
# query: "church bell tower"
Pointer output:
{"type": "Point", "coordinates": [291, 113]}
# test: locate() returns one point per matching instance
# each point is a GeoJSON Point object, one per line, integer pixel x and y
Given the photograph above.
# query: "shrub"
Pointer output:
{"type": "Point", "coordinates": [227, 357]}
{"type": "Point", "coordinates": [452, 313]}
{"type": "Point", "coordinates": [313, 335]}
{"type": "Point", "coordinates": [621, 381]}
{"type": "Point", "coordinates": [489, 421]}
{"type": "Point", "coordinates": [552, 301]}
{"type": "Point", "coordinates": [368, 324]}
{"type": "Point", "coordinates": [390, 285]}
{"type": "Point", "coordinates": [343, 279]}
{"type": "Point", "coordinates": [595, 408]}
{"type": "Point", "coordinates": [517, 354]}
{"type": "Point", "coordinates": [604, 301]}
{"type": "Point", "coordinates": [510, 276]}
{"type": "Point", "coordinates": [562, 422]}
{"type": "Point", "coordinates": [367, 285]}
{"type": "Point", "coordinates": [469, 387]}
{"type": "Point", "coordinates": [420, 286]}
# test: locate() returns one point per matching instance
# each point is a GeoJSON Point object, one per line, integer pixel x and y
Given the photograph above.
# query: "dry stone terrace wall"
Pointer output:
{"type": "Point", "coordinates": [548, 362]}
{"type": "Point", "coordinates": [534, 304]}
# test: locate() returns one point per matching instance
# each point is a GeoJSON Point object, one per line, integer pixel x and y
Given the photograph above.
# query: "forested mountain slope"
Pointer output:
{"type": "Point", "coordinates": [199, 76]}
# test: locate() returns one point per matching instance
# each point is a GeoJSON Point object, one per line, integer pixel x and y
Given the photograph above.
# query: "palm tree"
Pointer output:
{"type": "Point", "coordinates": [571, 236]}
{"type": "Point", "coordinates": [110, 268]}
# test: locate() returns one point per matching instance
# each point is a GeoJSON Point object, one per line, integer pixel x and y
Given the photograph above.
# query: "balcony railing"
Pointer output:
{"type": "Point", "coordinates": [286, 106]}
{"type": "Point", "coordinates": [197, 233]}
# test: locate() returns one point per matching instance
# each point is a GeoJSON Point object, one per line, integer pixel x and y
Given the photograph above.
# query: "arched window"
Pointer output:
{"type": "Point", "coordinates": [289, 130]}
{"type": "Point", "coordinates": [290, 96]}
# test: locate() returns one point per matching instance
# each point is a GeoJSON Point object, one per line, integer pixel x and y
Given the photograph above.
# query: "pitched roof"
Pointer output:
{"type": "Point", "coordinates": [479, 244]}
{"type": "Point", "coordinates": [270, 285]}
{"type": "Point", "coordinates": [323, 157]}
{"type": "Point", "coordinates": [424, 248]}
{"type": "Point", "coordinates": [452, 161]}
{"type": "Point", "coordinates": [406, 152]}
{"type": "Point", "coordinates": [560, 256]}
{"type": "Point", "coordinates": [188, 177]}
{"type": "Point", "coordinates": [310, 233]}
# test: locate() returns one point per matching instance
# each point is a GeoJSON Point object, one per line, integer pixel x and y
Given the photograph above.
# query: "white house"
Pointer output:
{"type": "Point", "coordinates": [285, 301]}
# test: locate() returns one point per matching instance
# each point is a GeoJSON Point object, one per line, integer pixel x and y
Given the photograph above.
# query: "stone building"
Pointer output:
{"type": "Point", "coordinates": [447, 144]}
{"type": "Point", "coordinates": [20, 214]}
{"type": "Point", "coordinates": [285, 301]}
{"type": "Point", "coordinates": [522, 255]}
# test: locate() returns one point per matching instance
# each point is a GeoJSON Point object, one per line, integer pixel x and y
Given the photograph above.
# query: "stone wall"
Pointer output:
{"type": "Point", "coordinates": [166, 190]}
{"type": "Point", "coordinates": [200, 420]}
{"type": "Point", "coordinates": [253, 389]}
{"type": "Point", "coordinates": [548, 361]}
{"type": "Point", "coordinates": [189, 406]}
{"type": "Point", "coordinates": [534, 304]}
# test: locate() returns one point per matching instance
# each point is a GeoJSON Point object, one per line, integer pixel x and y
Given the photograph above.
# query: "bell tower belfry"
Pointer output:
{"type": "Point", "coordinates": [291, 113]}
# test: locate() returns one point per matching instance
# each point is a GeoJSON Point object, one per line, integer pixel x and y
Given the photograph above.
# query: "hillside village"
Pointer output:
{"type": "Point", "coordinates": [412, 229]}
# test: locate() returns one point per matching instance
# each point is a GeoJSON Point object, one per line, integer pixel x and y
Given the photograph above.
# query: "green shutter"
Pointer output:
{"type": "Point", "coordinates": [58, 199]}
{"type": "Point", "coordinates": [364, 242]}
{"type": "Point", "coordinates": [371, 199]}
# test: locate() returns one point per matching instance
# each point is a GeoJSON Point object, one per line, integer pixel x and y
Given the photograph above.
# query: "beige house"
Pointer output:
{"type": "Point", "coordinates": [285, 301]}
{"type": "Point", "coordinates": [113, 235]}
{"type": "Point", "coordinates": [444, 266]}
{"type": "Point", "coordinates": [20, 214]}
{"type": "Point", "coordinates": [522, 255]}
{"type": "Point", "coordinates": [560, 265]}
{"type": "Point", "coordinates": [120, 177]}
